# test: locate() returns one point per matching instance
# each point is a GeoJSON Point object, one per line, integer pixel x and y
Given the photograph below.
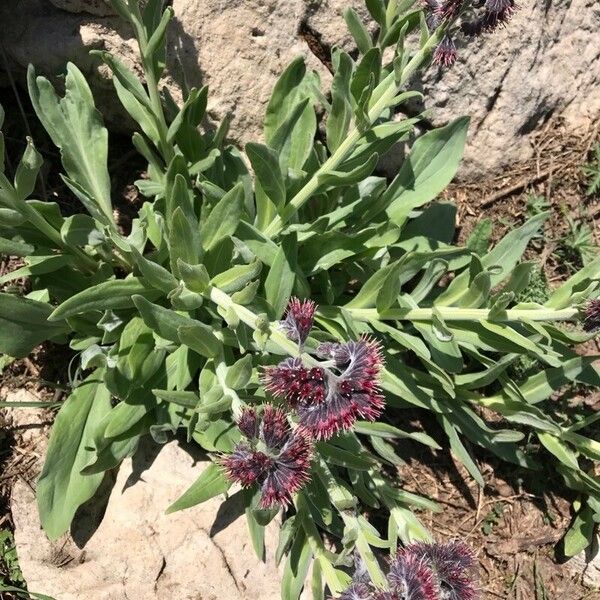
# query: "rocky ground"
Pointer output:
{"type": "Point", "coordinates": [533, 91]}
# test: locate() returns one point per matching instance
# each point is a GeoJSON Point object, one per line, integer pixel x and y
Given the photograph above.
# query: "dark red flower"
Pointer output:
{"type": "Point", "coordinates": [275, 458]}
{"type": "Point", "coordinates": [299, 318]}
{"type": "Point", "coordinates": [357, 591]}
{"type": "Point", "coordinates": [445, 53]}
{"type": "Point", "coordinates": [411, 577]}
{"type": "Point", "coordinates": [449, 9]}
{"type": "Point", "coordinates": [591, 320]}
{"type": "Point", "coordinates": [330, 399]}
{"type": "Point", "coordinates": [451, 564]}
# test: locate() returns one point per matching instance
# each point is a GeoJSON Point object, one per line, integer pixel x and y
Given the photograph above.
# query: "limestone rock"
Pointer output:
{"type": "Point", "coordinates": [94, 7]}
{"type": "Point", "coordinates": [544, 64]}
{"type": "Point", "coordinates": [140, 553]}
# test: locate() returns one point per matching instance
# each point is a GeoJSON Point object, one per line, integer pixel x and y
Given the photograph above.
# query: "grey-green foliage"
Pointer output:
{"type": "Point", "coordinates": [176, 320]}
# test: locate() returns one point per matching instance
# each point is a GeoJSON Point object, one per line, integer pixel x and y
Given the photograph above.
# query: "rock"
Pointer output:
{"type": "Point", "coordinates": [94, 7]}
{"type": "Point", "coordinates": [544, 64]}
{"type": "Point", "coordinates": [587, 564]}
{"type": "Point", "coordinates": [140, 553]}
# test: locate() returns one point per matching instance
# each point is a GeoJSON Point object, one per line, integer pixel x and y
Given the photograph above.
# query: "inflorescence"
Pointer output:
{"type": "Point", "coordinates": [321, 401]}
{"type": "Point", "coordinates": [423, 572]}
{"type": "Point", "coordinates": [591, 320]}
{"type": "Point", "coordinates": [476, 18]}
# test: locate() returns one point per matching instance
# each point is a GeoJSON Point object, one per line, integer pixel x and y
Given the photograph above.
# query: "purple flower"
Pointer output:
{"type": "Point", "coordinates": [330, 400]}
{"type": "Point", "coordinates": [591, 320]}
{"type": "Point", "coordinates": [500, 6]}
{"type": "Point", "coordinates": [451, 564]}
{"type": "Point", "coordinates": [274, 457]}
{"type": "Point", "coordinates": [412, 577]}
{"type": "Point", "coordinates": [445, 53]}
{"type": "Point", "coordinates": [357, 591]}
{"type": "Point", "coordinates": [299, 318]}
{"type": "Point", "coordinates": [449, 9]}
{"type": "Point", "coordinates": [424, 572]}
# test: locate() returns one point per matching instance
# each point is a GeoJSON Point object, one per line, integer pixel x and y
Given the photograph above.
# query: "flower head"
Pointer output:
{"type": "Point", "coordinates": [299, 318]}
{"type": "Point", "coordinates": [423, 572]}
{"type": "Point", "coordinates": [357, 591]}
{"type": "Point", "coordinates": [591, 320]}
{"type": "Point", "coordinates": [330, 400]}
{"type": "Point", "coordinates": [451, 564]}
{"type": "Point", "coordinates": [274, 457]}
{"type": "Point", "coordinates": [445, 53]}
{"type": "Point", "coordinates": [411, 577]}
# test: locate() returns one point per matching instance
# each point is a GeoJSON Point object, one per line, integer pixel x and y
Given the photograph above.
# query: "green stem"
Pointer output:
{"type": "Point", "coordinates": [390, 87]}
{"type": "Point", "coordinates": [454, 313]}
{"type": "Point", "coordinates": [152, 86]}
{"type": "Point", "coordinates": [223, 300]}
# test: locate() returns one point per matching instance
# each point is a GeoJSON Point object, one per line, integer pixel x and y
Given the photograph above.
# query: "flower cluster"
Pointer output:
{"type": "Point", "coordinates": [476, 18]}
{"type": "Point", "coordinates": [330, 397]}
{"type": "Point", "coordinates": [424, 572]}
{"type": "Point", "coordinates": [273, 457]}
{"type": "Point", "coordinates": [323, 399]}
{"type": "Point", "coordinates": [591, 321]}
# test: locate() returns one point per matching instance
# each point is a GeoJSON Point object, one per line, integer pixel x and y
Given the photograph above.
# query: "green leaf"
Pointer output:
{"type": "Point", "coordinates": [287, 533]}
{"type": "Point", "coordinates": [76, 128]}
{"type": "Point", "coordinates": [184, 242]}
{"type": "Point", "coordinates": [359, 32]}
{"type": "Point", "coordinates": [542, 385]}
{"type": "Point", "coordinates": [211, 483]}
{"type": "Point", "coordinates": [238, 374]}
{"type": "Point", "coordinates": [293, 140]}
{"type": "Point", "coordinates": [236, 278]}
{"type": "Point", "coordinates": [280, 280]}
{"type": "Point", "coordinates": [296, 567]}
{"type": "Point", "coordinates": [479, 238]}
{"type": "Point", "coordinates": [15, 248]}
{"type": "Point", "coordinates": [383, 430]}
{"type": "Point", "coordinates": [506, 254]}
{"type": "Point", "coordinates": [27, 171]}
{"type": "Point", "coordinates": [61, 488]}
{"type": "Point", "coordinates": [561, 297]}
{"type": "Point", "coordinates": [459, 449]}
{"type": "Point", "coordinates": [343, 458]}
{"type": "Point", "coordinates": [200, 338]}
{"type": "Point", "coordinates": [265, 163]}
{"type": "Point", "coordinates": [340, 116]}
{"type": "Point", "coordinates": [108, 295]}
{"type": "Point", "coordinates": [581, 532]}
{"type": "Point", "coordinates": [195, 277]}
{"type": "Point", "coordinates": [289, 135]}
{"type": "Point", "coordinates": [559, 449]}
{"type": "Point", "coordinates": [223, 218]}
{"type": "Point", "coordinates": [24, 324]}
{"type": "Point", "coordinates": [428, 169]}
{"type": "Point", "coordinates": [156, 275]}
{"type": "Point", "coordinates": [370, 64]}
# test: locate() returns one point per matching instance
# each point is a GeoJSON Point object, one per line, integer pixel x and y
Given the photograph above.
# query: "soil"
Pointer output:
{"type": "Point", "coordinates": [514, 523]}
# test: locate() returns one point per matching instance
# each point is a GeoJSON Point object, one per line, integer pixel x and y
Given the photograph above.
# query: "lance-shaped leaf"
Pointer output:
{"type": "Point", "coordinates": [76, 128]}
{"type": "Point", "coordinates": [61, 488]}
{"type": "Point", "coordinates": [428, 169]}
{"type": "Point", "coordinates": [24, 324]}
{"type": "Point", "coordinates": [223, 218]}
{"type": "Point", "coordinates": [211, 483]}
{"type": "Point", "coordinates": [265, 163]}
{"type": "Point", "coordinates": [108, 295]}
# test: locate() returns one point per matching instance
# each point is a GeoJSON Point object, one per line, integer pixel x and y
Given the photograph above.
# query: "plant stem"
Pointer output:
{"type": "Point", "coordinates": [390, 87]}
{"type": "Point", "coordinates": [223, 300]}
{"type": "Point", "coordinates": [454, 313]}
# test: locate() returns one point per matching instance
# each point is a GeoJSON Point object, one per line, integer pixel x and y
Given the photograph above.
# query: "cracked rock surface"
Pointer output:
{"type": "Point", "coordinates": [140, 553]}
{"type": "Point", "coordinates": [544, 64]}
